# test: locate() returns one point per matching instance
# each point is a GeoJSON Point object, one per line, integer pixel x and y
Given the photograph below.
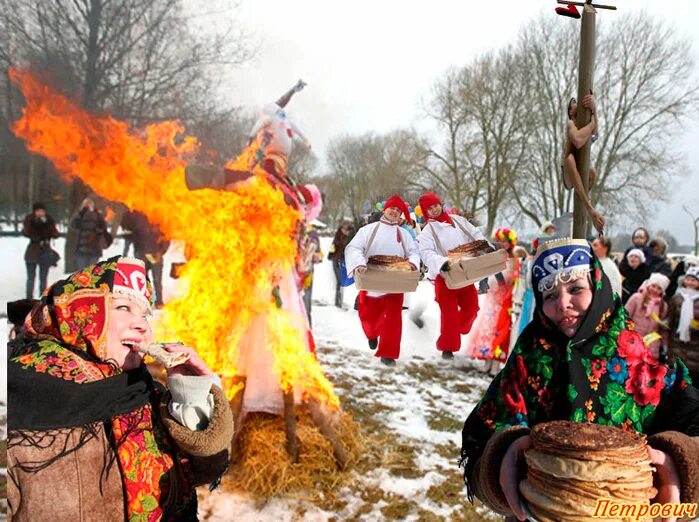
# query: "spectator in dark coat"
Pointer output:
{"type": "Point", "coordinates": [91, 233]}
{"type": "Point", "coordinates": [658, 261]}
{"type": "Point", "coordinates": [639, 239]}
{"type": "Point", "coordinates": [337, 256]}
{"type": "Point", "coordinates": [40, 228]}
{"type": "Point", "coordinates": [149, 246]}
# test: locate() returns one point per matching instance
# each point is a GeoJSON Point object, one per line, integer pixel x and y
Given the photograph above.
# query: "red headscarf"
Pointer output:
{"type": "Point", "coordinates": [395, 201]}
{"type": "Point", "coordinates": [429, 199]}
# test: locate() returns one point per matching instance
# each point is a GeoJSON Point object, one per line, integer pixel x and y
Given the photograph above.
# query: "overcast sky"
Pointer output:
{"type": "Point", "coordinates": [369, 64]}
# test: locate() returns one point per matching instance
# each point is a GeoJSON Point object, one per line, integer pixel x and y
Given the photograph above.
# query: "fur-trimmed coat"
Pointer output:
{"type": "Point", "coordinates": [78, 485]}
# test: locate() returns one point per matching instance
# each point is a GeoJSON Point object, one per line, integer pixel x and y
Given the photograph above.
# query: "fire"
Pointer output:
{"type": "Point", "coordinates": [236, 242]}
{"type": "Point", "coordinates": [109, 214]}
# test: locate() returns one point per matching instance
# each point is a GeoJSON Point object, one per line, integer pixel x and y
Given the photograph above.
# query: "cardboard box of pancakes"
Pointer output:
{"type": "Point", "coordinates": [571, 466]}
{"type": "Point", "coordinates": [391, 274]}
{"type": "Point", "coordinates": [472, 262]}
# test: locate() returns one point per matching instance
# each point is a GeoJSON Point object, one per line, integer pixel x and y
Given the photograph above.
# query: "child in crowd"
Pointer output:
{"type": "Point", "coordinates": [634, 272]}
{"type": "Point", "coordinates": [646, 308]}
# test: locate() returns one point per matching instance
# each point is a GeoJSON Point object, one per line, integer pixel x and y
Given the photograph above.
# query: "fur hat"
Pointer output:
{"type": "Point", "coordinates": [547, 225]}
{"type": "Point", "coordinates": [658, 279]}
{"type": "Point", "coordinates": [638, 253]}
{"type": "Point", "coordinates": [690, 260]}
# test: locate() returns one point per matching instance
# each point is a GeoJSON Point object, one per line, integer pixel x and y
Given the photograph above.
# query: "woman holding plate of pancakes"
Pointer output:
{"type": "Point", "coordinates": [580, 360]}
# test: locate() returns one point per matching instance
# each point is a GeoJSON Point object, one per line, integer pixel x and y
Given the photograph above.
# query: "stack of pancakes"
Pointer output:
{"type": "Point", "coordinates": [473, 249]}
{"type": "Point", "coordinates": [571, 466]}
{"type": "Point", "coordinates": [390, 263]}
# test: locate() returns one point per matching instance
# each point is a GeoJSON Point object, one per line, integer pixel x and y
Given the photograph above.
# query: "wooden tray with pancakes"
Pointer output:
{"type": "Point", "coordinates": [572, 465]}
{"type": "Point", "coordinates": [389, 274]}
{"type": "Point", "coordinates": [472, 262]}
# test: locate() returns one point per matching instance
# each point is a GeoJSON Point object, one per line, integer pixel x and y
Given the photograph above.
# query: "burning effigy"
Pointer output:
{"type": "Point", "coordinates": [240, 304]}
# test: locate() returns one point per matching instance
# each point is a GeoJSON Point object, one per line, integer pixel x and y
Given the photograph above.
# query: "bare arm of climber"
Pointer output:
{"type": "Point", "coordinates": [579, 137]}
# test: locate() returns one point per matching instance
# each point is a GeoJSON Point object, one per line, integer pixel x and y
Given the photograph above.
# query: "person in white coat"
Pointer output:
{"type": "Point", "coordinates": [380, 313]}
{"type": "Point", "coordinates": [602, 246]}
{"type": "Point", "coordinates": [458, 307]}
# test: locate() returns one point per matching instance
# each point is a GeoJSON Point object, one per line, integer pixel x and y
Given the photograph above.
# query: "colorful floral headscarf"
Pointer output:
{"type": "Point", "coordinates": [65, 338]}
{"type": "Point", "coordinates": [74, 310]}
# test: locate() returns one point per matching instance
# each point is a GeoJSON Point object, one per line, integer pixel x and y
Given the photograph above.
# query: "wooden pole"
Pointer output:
{"type": "Point", "coordinates": [585, 76]}
{"type": "Point", "coordinates": [292, 443]}
{"type": "Point", "coordinates": [322, 418]}
{"type": "Point", "coordinates": [237, 408]}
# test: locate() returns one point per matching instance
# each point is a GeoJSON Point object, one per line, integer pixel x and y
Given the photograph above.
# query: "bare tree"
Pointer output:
{"type": "Point", "coordinates": [485, 137]}
{"type": "Point", "coordinates": [644, 83]}
{"type": "Point", "coordinates": [370, 167]}
{"type": "Point", "coordinates": [302, 164]}
{"type": "Point", "coordinates": [549, 55]}
{"type": "Point", "coordinates": [333, 204]}
{"type": "Point", "coordinates": [695, 225]}
{"type": "Point", "coordinates": [444, 167]}
{"type": "Point", "coordinates": [142, 60]}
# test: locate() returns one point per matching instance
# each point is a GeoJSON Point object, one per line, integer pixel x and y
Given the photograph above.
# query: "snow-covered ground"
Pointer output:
{"type": "Point", "coordinates": [417, 408]}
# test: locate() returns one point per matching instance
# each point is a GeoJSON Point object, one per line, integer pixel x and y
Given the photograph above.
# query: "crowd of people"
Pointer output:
{"type": "Point", "coordinates": [566, 332]}
{"type": "Point", "coordinates": [91, 238]}
{"type": "Point", "coordinates": [653, 288]}
{"type": "Point", "coordinates": [581, 337]}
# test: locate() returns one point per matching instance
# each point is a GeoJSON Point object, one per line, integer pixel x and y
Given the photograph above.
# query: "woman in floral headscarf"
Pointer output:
{"type": "Point", "coordinates": [91, 435]}
{"type": "Point", "coordinates": [489, 339]}
{"type": "Point", "coordinates": [580, 360]}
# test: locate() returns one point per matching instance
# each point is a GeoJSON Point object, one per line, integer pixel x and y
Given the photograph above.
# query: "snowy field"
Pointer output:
{"type": "Point", "coordinates": [417, 408]}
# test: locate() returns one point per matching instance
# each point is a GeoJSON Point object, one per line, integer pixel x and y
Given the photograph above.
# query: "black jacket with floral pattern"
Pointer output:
{"type": "Point", "coordinates": [603, 374]}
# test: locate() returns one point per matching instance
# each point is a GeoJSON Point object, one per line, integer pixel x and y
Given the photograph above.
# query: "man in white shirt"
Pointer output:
{"type": "Point", "coordinates": [459, 307]}
{"type": "Point", "coordinates": [380, 313]}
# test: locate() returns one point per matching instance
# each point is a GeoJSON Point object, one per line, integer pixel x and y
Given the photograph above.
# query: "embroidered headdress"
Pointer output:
{"type": "Point", "coordinates": [130, 279]}
{"type": "Point", "coordinates": [560, 260]}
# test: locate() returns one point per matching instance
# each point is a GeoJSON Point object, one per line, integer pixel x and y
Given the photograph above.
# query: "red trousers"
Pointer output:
{"type": "Point", "coordinates": [459, 309]}
{"type": "Point", "coordinates": [382, 318]}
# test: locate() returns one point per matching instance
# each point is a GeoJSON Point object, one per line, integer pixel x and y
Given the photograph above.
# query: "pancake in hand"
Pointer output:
{"type": "Point", "coordinates": [161, 355]}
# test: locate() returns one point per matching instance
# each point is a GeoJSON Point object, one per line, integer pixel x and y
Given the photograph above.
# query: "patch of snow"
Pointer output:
{"type": "Point", "coordinates": [420, 387]}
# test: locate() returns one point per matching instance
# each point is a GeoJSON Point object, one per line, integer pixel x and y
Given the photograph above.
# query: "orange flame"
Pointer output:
{"type": "Point", "coordinates": [236, 242]}
{"type": "Point", "coordinates": [109, 214]}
